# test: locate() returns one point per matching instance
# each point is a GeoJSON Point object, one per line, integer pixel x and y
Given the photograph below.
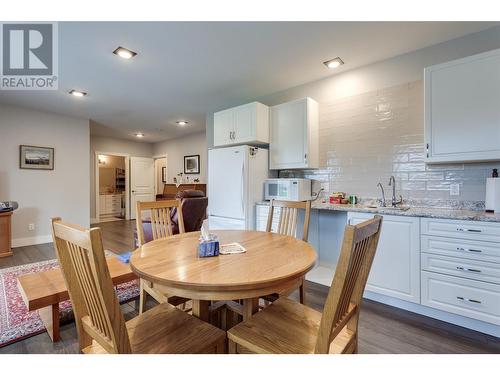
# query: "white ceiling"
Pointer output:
{"type": "Point", "coordinates": [185, 69]}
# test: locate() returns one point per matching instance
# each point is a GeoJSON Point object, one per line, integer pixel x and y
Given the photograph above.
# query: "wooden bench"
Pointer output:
{"type": "Point", "coordinates": [43, 291]}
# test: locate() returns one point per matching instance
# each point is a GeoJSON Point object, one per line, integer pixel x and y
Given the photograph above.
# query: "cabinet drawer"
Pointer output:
{"type": "Point", "coordinates": [457, 247]}
{"type": "Point", "coordinates": [470, 269]}
{"type": "Point", "coordinates": [461, 229]}
{"type": "Point", "coordinates": [474, 299]}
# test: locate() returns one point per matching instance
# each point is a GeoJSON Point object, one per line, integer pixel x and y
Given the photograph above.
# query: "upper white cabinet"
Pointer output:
{"type": "Point", "coordinates": [395, 270]}
{"type": "Point", "coordinates": [294, 135]}
{"type": "Point", "coordinates": [462, 111]}
{"type": "Point", "coordinates": [245, 124]}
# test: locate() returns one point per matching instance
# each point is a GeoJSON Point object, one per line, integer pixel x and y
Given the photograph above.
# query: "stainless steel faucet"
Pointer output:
{"type": "Point", "coordinates": [383, 194]}
{"type": "Point", "coordinates": [394, 202]}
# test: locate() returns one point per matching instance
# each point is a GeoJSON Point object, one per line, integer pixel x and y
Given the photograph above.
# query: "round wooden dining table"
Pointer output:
{"type": "Point", "coordinates": [272, 263]}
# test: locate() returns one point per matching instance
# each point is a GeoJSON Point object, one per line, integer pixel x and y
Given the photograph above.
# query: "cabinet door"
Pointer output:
{"type": "Point", "coordinates": [245, 123]}
{"type": "Point", "coordinates": [223, 127]}
{"type": "Point", "coordinates": [395, 270]}
{"type": "Point", "coordinates": [289, 136]}
{"type": "Point", "coordinates": [462, 115]}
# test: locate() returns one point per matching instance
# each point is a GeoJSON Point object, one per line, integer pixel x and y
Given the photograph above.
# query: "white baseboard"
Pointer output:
{"type": "Point", "coordinates": [28, 241]}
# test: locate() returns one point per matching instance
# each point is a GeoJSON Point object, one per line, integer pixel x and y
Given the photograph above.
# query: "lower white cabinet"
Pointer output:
{"type": "Point", "coordinates": [396, 268]}
{"type": "Point", "coordinates": [110, 204]}
{"type": "Point", "coordinates": [470, 298]}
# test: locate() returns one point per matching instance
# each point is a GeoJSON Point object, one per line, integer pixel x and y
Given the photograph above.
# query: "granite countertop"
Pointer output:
{"type": "Point", "coordinates": [437, 213]}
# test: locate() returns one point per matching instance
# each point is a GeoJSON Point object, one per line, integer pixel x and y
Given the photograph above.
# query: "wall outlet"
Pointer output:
{"type": "Point", "coordinates": [31, 226]}
{"type": "Point", "coordinates": [455, 189]}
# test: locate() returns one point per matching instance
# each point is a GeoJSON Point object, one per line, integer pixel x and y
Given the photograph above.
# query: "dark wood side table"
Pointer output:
{"type": "Point", "coordinates": [5, 234]}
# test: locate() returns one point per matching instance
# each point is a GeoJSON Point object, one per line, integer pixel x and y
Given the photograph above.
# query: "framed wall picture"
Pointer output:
{"type": "Point", "coordinates": [164, 174]}
{"type": "Point", "coordinates": [192, 164]}
{"type": "Point", "coordinates": [34, 157]}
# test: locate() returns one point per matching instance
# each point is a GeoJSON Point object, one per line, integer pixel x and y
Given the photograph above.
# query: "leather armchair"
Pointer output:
{"type": "Point", "coordinates": [194, 210]}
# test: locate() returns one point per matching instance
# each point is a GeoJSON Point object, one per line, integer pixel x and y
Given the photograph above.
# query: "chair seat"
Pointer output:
{"type": "Point", "coordinates": [165, 329]}
{"type": "Point", "coordinates": [285, 327]}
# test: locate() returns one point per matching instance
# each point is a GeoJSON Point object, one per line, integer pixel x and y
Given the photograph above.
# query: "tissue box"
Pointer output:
{"type": "Point", "coordinates": [208, 248]}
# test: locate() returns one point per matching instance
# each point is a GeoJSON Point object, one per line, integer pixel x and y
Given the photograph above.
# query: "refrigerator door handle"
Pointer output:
{"type": "Point", "coordinates": [243, 188]}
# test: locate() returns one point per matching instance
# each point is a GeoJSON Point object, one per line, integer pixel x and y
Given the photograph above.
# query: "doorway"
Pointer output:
{"type": "Point", "coordinates": [111, 187]}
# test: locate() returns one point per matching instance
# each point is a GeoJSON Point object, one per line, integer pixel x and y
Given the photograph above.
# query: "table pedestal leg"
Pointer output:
{"type": "Point", "coordinates": [201, 309]}
{"type": "Point", "coordinates": [250, 307]}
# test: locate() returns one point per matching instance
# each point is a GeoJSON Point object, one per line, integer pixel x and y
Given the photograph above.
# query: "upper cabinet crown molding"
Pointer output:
{"type": "Point", "coordinates": [294, 135]}
{"type": "Point", "coordinates": [462, 111]}
{"type": "Point", "coordinates": [245, 124]}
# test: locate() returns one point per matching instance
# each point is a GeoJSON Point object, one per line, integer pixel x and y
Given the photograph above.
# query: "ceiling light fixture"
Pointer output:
{"type": "Point", "coordinates": [182, 122]}
{"type": "Point", "coordinates": [334, 63]}
{"type": "Point", "coordinates": [139, 135]}
{"type": "Point", "coordinates": [78, 94]}
{"type": "Point", "coordinates": [124, 53]}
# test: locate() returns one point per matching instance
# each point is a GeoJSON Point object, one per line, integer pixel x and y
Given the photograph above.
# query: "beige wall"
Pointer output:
{"type": "Point", "coordinates": [111, 145]}
{"type": "Point", "coordinates": [42, 194]}
{"type": "Point", "coordinates": [176, 149]}
{"type": "Point", "coordinates": [159, 164]}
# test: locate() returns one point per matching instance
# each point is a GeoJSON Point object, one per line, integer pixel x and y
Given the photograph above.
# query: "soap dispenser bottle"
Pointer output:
{"type": "Point", "coordinates": [492, 202]}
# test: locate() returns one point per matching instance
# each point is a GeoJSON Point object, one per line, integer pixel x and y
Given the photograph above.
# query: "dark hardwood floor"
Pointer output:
{"type": "Point", "coordinates": [382, 329]}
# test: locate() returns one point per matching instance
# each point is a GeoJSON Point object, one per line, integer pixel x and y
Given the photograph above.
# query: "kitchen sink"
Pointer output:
{"type": "Point", "coordinates": [390, 208]}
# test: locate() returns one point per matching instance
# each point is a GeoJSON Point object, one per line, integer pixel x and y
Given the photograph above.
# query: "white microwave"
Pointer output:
{"type": "Point", "coordinates": [288, 189]}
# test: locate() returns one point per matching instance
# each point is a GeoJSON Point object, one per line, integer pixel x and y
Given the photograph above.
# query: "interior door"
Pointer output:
{"type": "Point", "coordinates": [227, 182]}
{"type": "Point", "coordinates": [142, 182]}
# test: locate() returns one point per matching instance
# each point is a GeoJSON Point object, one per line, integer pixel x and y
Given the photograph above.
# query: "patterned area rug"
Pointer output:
{"type": "Point", "coordinates": [16, 322]}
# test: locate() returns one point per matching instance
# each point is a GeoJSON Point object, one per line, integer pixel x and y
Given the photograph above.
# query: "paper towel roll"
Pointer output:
{"type": "Point", "coordinates": [492, 194]}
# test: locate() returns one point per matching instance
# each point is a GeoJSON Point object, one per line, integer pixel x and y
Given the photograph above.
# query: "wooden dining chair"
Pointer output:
{"type": "Point", "coordinates": [99, 321]}
{"type": "Point", "coordinates": [287, 225]}
{"type": "Point", "coordinates": [290, 327]}
{"type": "Point", "coordinates": [161, 227]}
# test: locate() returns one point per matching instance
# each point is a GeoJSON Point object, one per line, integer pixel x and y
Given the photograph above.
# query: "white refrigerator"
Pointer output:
{"type": "Point", "coordinates": [236, 177]}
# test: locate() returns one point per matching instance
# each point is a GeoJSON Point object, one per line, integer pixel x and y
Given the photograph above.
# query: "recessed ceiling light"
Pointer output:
{"type": "Point", "coordinates": [139, 135]}
{"type": "Point", "coordinates": [334, 63]}
{"type": "Point", "coordinates": [77, 93]}
{"type": "Point", "coordinates": [124, 53]}
{"type": "Point", "coordinates": [182, 122]}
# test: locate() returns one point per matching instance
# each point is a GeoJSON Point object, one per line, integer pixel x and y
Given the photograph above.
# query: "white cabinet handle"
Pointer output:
{"type": "Point", "coordinates": [469, 230]}
{"type": "Point", "coordinates": [460, 268]}
{"type": "Point", "coordinates": [469, 250]}
{"type": "Point", "coordinates": [468, 300]}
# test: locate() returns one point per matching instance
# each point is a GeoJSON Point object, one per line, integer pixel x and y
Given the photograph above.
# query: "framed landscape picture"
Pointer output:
{"type": "Point", "coordinates": [192, 164]}
{"type": "Point", "coordinates": [34, 157]}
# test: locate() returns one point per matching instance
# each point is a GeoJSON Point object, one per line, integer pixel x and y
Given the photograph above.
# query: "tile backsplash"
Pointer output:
{"type": "Point", "coordinates": [364, 139]}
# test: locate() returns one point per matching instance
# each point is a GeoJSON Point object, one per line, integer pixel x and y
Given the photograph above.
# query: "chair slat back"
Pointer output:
{"type": "Point", "coordinates": [161, 222]}
{"type": "Point", "coordinates": [287, 223]}
{"type": "Point", "coordinates": [95, 305]}
{"type": "Point", "coordinates": [344, 298]}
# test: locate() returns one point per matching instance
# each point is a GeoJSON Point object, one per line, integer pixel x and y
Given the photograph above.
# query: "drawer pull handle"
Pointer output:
{"type": "Point", "coordinates": [468, 300]}
{"type": "Point", "coordinates": [469, 250]}
{"type": "Point", "coordinates": [469, 230]}
{"type": "Point", "coordinates": [468, 269]}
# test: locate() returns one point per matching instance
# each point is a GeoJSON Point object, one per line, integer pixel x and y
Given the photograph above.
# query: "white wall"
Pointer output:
{"type": "Point", "coordinates": [113, 145]}
{"type": "Point", "coordinates": [176, 149]}
{"type": "Point", "coordinates": [43, 194]}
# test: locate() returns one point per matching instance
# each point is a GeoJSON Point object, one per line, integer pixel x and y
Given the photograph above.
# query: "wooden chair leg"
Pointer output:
{"type": "Point", "coordinates": [231, 347]}
{"type": "Point", "coordinates": [50, 318]}
{"type": "Point", "coordinates": [221, 347]}
{"type": "Point", "coordinates": [302, 291]}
